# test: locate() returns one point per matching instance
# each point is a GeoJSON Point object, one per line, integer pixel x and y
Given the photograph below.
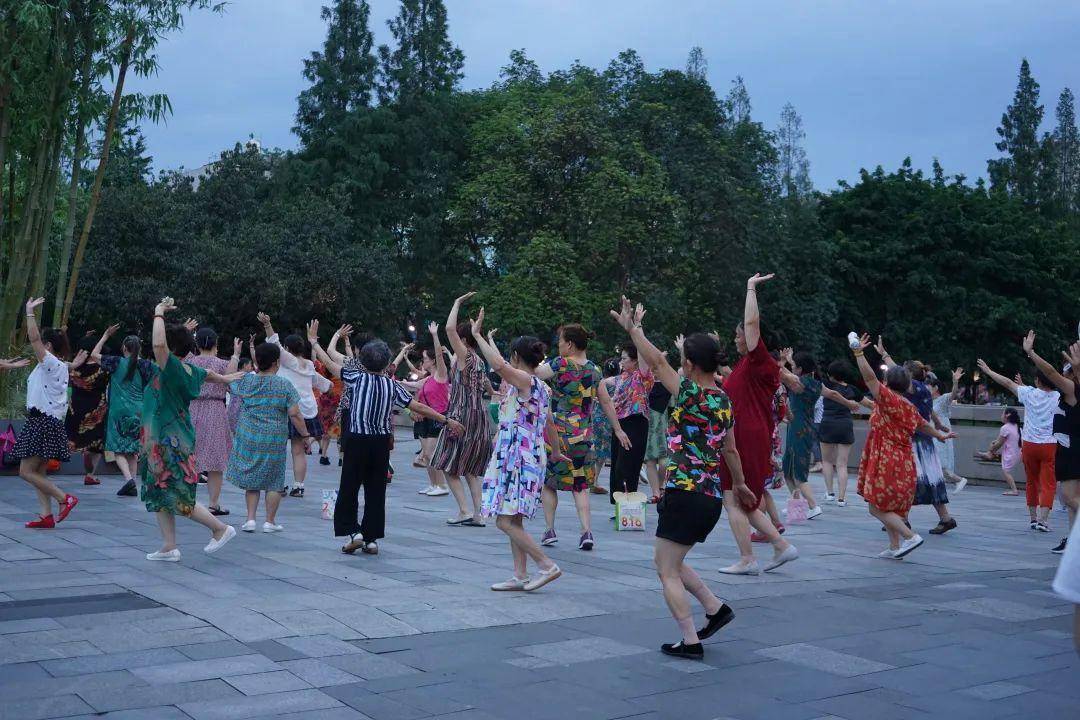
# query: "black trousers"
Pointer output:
{"type": "Point", "coordinates": [626, 464]}
{"type": "Point", "coordinates": [366, 461]}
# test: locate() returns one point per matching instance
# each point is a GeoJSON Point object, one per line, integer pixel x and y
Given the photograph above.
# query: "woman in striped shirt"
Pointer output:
{"type": "Point", "coordinates": [369, 398]}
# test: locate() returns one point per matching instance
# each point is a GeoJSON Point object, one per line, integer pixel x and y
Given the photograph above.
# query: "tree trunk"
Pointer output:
{"type": "Point", "coordinates": [43, 233]}
{"type": "Point", "coordinates": [99, 177]}
{"type": "Point", "coordinates": [69, 226]}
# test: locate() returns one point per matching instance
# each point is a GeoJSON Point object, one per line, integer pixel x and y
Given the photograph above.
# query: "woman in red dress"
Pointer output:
{"type": "Point", "coordinates": [887, 468]}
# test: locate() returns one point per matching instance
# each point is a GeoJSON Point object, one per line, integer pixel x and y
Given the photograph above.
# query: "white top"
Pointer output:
{"type": "Point", "coordinates": [1067, 580]}
{"type": "Point", "coordinates": [1040, 407]}
{"type": "Point", "coordinates": [303, 376]}
{"type": "Point", "coordinates": [46, 388]}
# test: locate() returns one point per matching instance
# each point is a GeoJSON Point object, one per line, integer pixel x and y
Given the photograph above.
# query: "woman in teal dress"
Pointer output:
{"type": "Point", "coordinates": [798, 373]}
{"type": "Point", "coordinates": [167, 462]}
{"type": "Point", "coordinates": [258, 461]}
{"type": "Point", "coordinates": [128, 377]}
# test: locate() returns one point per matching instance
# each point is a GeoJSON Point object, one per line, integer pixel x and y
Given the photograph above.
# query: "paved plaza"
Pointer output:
{"type": "Point", "coordinates": [285, 626]}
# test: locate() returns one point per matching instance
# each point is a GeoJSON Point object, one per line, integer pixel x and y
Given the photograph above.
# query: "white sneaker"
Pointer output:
{"type": "Point", "coordinates": [814, 512]}
{"type": "Point", "coordinates": [425, 491]}
{"type": "Point", "coordinates": [269, 527]}
{"type": "Point", "coordinates": [750, 568]}
{"type": "Point", "coordinates": [214, 545]}
{"type": "Point", "coordinates": [841, 502]}
{"type": "Point", "coordinates": [171, 556]}
{"type": "Point", "coordinates": [514, 583]}
{"type": "Point", "coordinates": [829, 497]}
{"type": "Point", "coordinates": [249, 526]}
{"type": "Point", "coordinates": [908, 545]}
{"type": "Point", "coordinates": [438, 491]}
{"type": "Point", "coordinates": [789, 554]}
{"type": "Point", "coordinates": [888, 554]}
{"type": "Point", "coordinates": [960, 484]}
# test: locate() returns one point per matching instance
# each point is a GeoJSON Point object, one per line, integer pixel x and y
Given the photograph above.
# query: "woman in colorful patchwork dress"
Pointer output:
{"type": "Point", "coordinates": [515, 476]}
{"type": "Point", "coordinates": [129, 375]}
{"type": "Point", "coordinates": [210, 415]}
{"type": "Point", "coordinates": [43, 437]}
{"type": "Point", "coordinates": [887, 467]}
{"type": "Point", "coordinates": [258, 462]}
{"type": "Point", "coordinates": [603, 434]}
{"type": "Point", "coordinates": [700, 440]}
{"type": "Point", "coordinates": [576, 388]}
{"type": "Point", "coordinates": [167, 464]}
{"type": "Point", "coordinates": [88, 408]}
{"type": "Point", "coordinates": [466, 454]}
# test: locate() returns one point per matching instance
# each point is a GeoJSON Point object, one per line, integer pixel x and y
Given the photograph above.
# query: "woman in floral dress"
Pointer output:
{"type": "Point", "coordinates": [515, 475]}
{"type": "Point", "coordinates": [128, 377]}
{"type": "Point", "coordinates": [887, 467]}
{"type": "Point", "coordinates": [88, 408]}
{"type": "Point", "coordinates": [210, 415]}
{"type": "Point", "coordinates": [258, 462]}
{"type": "Point", "coordinates": [167, 463]}
{"type": "Point", "coordinates": [466, 454]}
{"type": "Point", "coordinates": [328, 405]}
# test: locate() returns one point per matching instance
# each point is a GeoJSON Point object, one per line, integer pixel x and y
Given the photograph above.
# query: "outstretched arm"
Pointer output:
{"type": "Point", "coordinates": [1063, 384]}
{"type": "Point", "coordinates": [456, 343]}
{"type": "Point", "coordinates": [95, 354]}
{"type": "Point", "coordinates": [1001, 380]}
{"type": "Point", "coordinates": [928, 429]}
{"type": "Point", "coordinates": [630, 320]}
{"type": "Point", "coordinates": [32, 332]}
{"type": "Point", "coordinates": [830, 394]}
{"type": "Point", "coordinates": [791, 380]}
{"type": "Point", "coordinates": [518, 378]}
{"type": "Point", "coordinates": [441, 372]}
{"type": "Point", "coordinates": [332, 364]}
{"type": "Point", "coordinates": [867, 372]}
{"type": "Point", "coordinates": [158, 340]}
{"type": "Point", "coordinates": [885, 356]}
{"type": "Point", "coordinates": [751, 315]}
{"type": "Point", "coordinates": [14, 363]}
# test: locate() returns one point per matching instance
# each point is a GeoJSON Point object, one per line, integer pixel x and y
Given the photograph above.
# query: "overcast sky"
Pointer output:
{"type": "Point", "coordinates": [874, 80]}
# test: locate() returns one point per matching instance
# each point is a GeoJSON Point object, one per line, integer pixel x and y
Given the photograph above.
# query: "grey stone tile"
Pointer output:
{"type": "Point", "coordinates": [275, 650]}
{"type": "Point", "coordinates": [111, 700]}
{"type": "Point", "coordinates": [820, 658]}
{"type": "Point", "coordinates": [319, 645]}
{"type": "Point", "coordinates": [39, 708]}
{"type": "Point", "coordinates": [163, 712]}
{"type": "Point", "coordinates": [338, 713]}
{"type": "Point", "coordinates": [268, 682]}
{"type": "Point", "coordinates": [369, 666]}
{"type": "Point", "coordinates": [113, 661]}
{"type": "Point", "coordinates": [206, 669]}
{"type": "Point", "coordinates": [375, 706]}
{"type": "Point", "coordinates": [22, 672]}
{"type": "Point", "coordinates": [259, 705]}
{"type": "Point", "coordinates": [318, 673]}
{"type": "Point", "coordinates": [30, 625]}
{"type": "Point", "coordinates": [44, 687]}
{"type": "Point", "coordinates": [582, 650]}
{"type": "Point", "coordinates": [995, 690]}
{"type": "Point", "coordinates": [1006, 610]}
{"type": "Point", "coordinates": [219, 649]}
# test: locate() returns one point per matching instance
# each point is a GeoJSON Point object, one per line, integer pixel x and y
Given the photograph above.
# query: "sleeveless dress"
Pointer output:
{"type": "Point", "coordinates": [515, 475]}
{"type": "Point", "coordinates": [88, 407]}
{"type": "Point", "coordinates": [467, 454]}
{"type": "Point", "coordinates": [574, 394]}
{"type": "Point", "coordinates": [210, 416]}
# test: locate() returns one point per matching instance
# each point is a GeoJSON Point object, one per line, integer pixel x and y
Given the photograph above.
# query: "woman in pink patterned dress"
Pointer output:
{"type": "Point", "coordinates": [210, 415]}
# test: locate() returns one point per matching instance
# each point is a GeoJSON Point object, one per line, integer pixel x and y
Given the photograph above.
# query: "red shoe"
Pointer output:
{"type": "Point", "coordinates": [43, 521]}
{"type": "Point", "coordinates": [654, 499]}
{"type": "Point", "coordinates": [70, 501]}
{"type": "Point", "coordinates": [90, 480]}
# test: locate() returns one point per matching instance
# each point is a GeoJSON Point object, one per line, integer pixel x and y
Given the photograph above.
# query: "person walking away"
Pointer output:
{"type": "Point", "coordinates": [88, 408]}
{"type": "Point", "coordinates": [210, 415]}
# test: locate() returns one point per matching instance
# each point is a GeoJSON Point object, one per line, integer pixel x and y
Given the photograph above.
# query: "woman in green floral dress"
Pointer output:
{"type": "Point", "coordinates": [167, 460]}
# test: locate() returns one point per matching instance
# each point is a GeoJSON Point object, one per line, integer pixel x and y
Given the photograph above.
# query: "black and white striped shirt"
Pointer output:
{"type": "Point", "coordinates": [371, 399]}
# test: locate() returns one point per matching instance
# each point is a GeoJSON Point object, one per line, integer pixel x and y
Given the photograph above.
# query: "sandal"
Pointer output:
{"type": "Point", "coordinates": [472, 522]}
{"type": "Point", "coordinates": [370, 548]}
{"type": "Point", "coordinates": [297, 491]}
{"type": "Point", "coordinates": [356, 542]}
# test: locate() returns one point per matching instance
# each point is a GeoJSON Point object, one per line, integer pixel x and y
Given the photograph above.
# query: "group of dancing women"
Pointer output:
{"type": "Point", "coordinates": [707, 433]}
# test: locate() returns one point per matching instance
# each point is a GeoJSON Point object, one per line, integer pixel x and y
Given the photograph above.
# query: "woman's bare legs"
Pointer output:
{"type": "Point", "coordinates": [273, 502]}
{"type": "Point", "coordinates": [458, 491]}
{"type": "Point", "coordinates": [843, 452]}
{"type": "Point", "coordinates": [299, 460]}
{"type": "Point", "coordinates": [91, 460]}
{"type": "Point", "coordinates": [32, 470]}
{"type": "Point", "coordinates": [167, 523]}
{"type": "Point", "coordinates": [476, 489]}
{"type": "Point", "coordinates": [581, 503]}
{"type": "Point", "coordinates": [214, 480]}
{"type": "Point", "coordinates": [251, 499]}
{"type": "Point", "coordinates": [514, 528]}
{"type": "Point", "coordinates": [1010, 482]}
{"type": "Point", "coordinates": [894, 525]}
{"type": "Point", "coordinates": [126, 464]}
{"type": "Point", "coordinates": [668, 557]}
{"type": "Point", "coordinates": [828, 465]}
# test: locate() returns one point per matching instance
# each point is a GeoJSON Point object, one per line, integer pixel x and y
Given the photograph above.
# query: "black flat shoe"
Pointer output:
{"type": "Point", "coordinates": [128, 490]}
{"type": "Point", "coordinates": [943, 527]}
{"type": "Point", "coordinates": [324, 460]}
{"type": "Point", "coordinates": [297, 492]}
{"type": "Point", "coordinates": [690, 652]}
{"type": "Point", "coordinates": [714, 622]}
{"type": "Point", "coordinates": [217, 511]}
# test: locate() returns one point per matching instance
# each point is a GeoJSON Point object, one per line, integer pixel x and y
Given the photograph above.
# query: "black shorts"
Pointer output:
{"type": "Point", "coordinates": [312, 425]}
{"type": "Point", "coordinates": [836, 433]}
{"type": "Point", "coordinates": [1067, 464]}
{"type": "Point", "coordinates": [429, 428]}
{"type": "Point", "coordinates": [687, 517]}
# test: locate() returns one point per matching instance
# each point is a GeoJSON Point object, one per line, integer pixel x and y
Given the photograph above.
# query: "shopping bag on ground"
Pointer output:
{"type": "Point", "coordinates": [796, 511]}
{"type": "Point", "coordinates": [7, 445]}
{"type": "Point", "coordinates": [329, 500]}
{"type": "Point", "coordinates": [630, 511]}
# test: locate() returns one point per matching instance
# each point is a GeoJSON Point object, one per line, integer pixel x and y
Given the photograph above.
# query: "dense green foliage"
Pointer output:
{"type": "Point", "coordinates": [552, 194]}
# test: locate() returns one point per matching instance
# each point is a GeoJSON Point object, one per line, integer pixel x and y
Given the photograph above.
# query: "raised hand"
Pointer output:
{"type": "Point", "coordinates": [983, 366]}
{"type": "Point", "coordinates": [478, 324]}
{"type": "Point", "coordinates": [313, 332]}
{"type": "Point", "coordinates": [758, 278]}
{"type": "Point", "coordinates": [957, 374]}
{"type": "Point", "coordinates": [433, 327]}
{"type": "Point", "coordinates": [345, 331]}
{"type": "Point", "coordinates": [191, 324]}
{"type": "Point", "coordinates": [1018, 379]}
{"type": "Point", "coordinates": [237, 346]}
{"type": "Point", "coordinates": [1072, 356]}
{"type": "Point", "coordinates": [639, 314]}
{"type": "Point", "coordinates": [465, 298]}
{"type": "Point", "coordinates": [111, 330]}
{"type": "Point", "coordinates": [680, 340]}
{"type": "Point", "coordinates": [625, 315]}
{"type": "Point", "coordinates": [166, 305]}
{"type": "Point", "coordinates": [79, 359]}
{"type": "Point", "coordinates": [864, 342]}
{"type": "Point", "coordinates": [880, 347]}
{"type": "Point", "coordinates": [263, 319]}
{"type": "Point", "coordinates": [1028, 342]}
{"type": "Point", "coordinates": [33, 304]}
{"type": "Point", "coordinates": [14, 363]}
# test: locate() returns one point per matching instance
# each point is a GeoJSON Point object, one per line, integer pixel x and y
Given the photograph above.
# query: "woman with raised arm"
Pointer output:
{"type": "Point", "coordinates": [1066, 427]}
{"type": "Point", "coordinates": [887, 468]}
{"type": "Point", "coordinates": [328, 404]}
{"type": "Point", "coordinates": [43, 437]}
{"type": "Point", "coordinates": [210, 415]}
{"type": "Point", "coordinates": [88, 408]}
{"type": "Point", "coordinates": [576, 386]}
{"type": "Point", "coordinates": [752, 387]}
{"type": "Point", "coordinates": [368, 401]}
{"type": "Point", "coordinates": [258, 463]}
{"type": "Point", "coordinates": [299, 370]}
{"type": "Point", "coordinates": [798, 372]}
{"type": "Point", "coordinates": [700, 440]}
{"type": "Point", "coordinates": [435, 393]}
{"type": "Point", "coordinates": [930, 486]}
{"type": "Point", "coordinates": [466, 454]}
{"type": "Point", "coordinates": [128, 377]}
{"type": "Point", "coordinates": [166, 465]}
{"type": "Point", "coordinates": [837, 429]}
{"type": "Point", "coordinates": [943, 403]}
{"type": "Point", "coordinates": [630, 395]}
{"type": "Point", "coordinates": [1038, 449]}
{"type": "Point", "coordinates": [515, 475]}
